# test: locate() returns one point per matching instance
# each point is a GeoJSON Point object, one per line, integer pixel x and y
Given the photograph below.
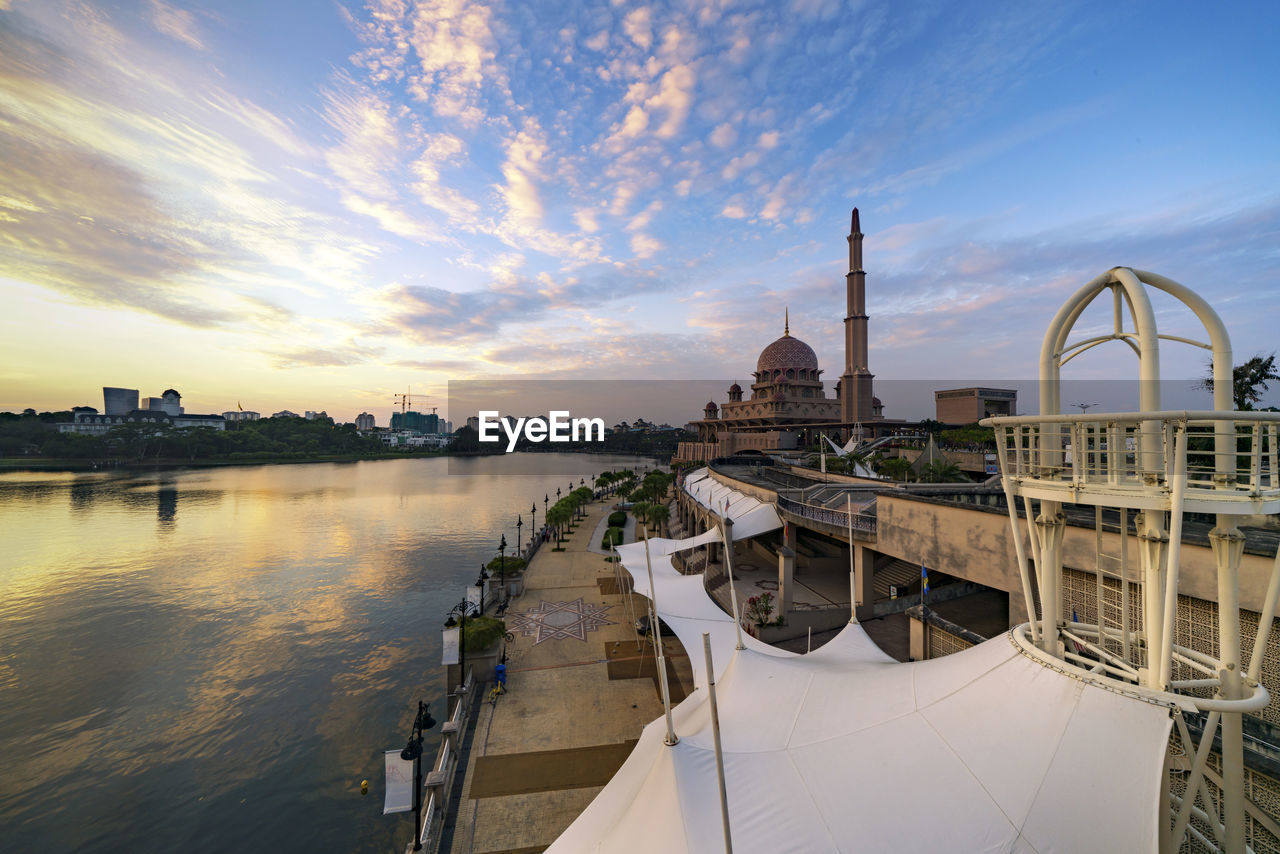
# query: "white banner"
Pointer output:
{"type": "Point", "coordinates": [399, 783]}
{"type": "Point", "coordinates": [451, 646]}
{"type": "Point", "coordinates": [473, 599]}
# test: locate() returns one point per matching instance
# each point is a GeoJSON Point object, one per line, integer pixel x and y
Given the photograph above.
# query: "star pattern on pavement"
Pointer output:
{"type": "Point", "coordinates": [559, 620]}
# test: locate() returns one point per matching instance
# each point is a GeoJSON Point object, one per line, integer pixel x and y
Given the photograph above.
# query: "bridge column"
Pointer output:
{"type": "Point", "coordinates": [864, 561]}
{"type": "Point", "coordinates": [786, 571]}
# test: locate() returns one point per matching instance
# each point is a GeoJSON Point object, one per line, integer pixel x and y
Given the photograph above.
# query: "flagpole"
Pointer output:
{"type": "Point", "coordinates": [726, 529]}
{"type": "Point", "coordinates": [853, 584]}
{"type": "Point", "coordinates": [657, 634]}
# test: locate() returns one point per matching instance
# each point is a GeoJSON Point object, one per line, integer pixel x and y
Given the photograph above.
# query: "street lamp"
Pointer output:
{"type": "Point", "coordinates": [502, 566]}
{"type": "Point", "coordinates": [519, 532]}
{"type": "Point", "coordinates": [484, 576]}
{"type": "Point", "coordinates": [413, 753]}
{"type": "Point", "coordinates": [533, 521]}
{"type": "Point", "coordinates": [462, 610]}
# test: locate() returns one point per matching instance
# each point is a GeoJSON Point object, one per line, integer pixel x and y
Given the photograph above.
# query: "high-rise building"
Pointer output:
{"type": "Point", "coordinates": [421, 422]}
{"type": "Point", "coordinates": [119, 401]}
{"type": "Point", "coordinates": [365, 421]}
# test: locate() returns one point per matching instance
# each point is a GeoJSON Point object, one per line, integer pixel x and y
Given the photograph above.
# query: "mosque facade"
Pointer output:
{"type": "Point", "coordinates": [787, 406]}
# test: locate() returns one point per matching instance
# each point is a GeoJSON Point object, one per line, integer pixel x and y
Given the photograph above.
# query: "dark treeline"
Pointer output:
{"type": "Point", "coordinates": [268, 438]}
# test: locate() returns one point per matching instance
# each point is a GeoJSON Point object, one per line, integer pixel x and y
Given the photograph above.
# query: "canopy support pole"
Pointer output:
{"type": "Point", "coordinates": [715, 734]}
{"type": "Point", "coordinates": [654, 626]}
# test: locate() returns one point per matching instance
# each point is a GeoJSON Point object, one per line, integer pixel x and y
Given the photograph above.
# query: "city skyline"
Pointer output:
{"type": "Point", "coordinates": [319, 206]}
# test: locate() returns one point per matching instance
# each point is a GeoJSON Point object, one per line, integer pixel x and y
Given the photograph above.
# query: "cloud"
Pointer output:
{"type": "Point", "coordinates": [723, 136]}
{"type": "Point", "coordinates": [176, 23]}
{"type": "Point", "coordinates": [638, 28]}
{"type": "Point", "coordinates": [319, 357]}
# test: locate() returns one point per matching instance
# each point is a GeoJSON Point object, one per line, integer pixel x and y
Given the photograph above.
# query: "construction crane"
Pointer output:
{"type": "Point", "coordinates": [405, 400]}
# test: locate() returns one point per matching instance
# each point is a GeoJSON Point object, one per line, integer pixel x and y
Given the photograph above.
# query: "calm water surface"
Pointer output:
{"type": "Point", "coordinates": [213, 659]}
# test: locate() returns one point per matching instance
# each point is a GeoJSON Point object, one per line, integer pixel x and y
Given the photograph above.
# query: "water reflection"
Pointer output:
{"type": "Point", "coordinates": [167, 506]}
{"type": "Point", "coordinates": [220, 684]}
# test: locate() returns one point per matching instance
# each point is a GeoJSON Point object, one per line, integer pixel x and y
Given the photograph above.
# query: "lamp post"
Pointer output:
{"type": "Point", "coordinates": [502, 565]}
{"type": "Point", "coordinates": [520, 532]}
{"type": "Point", "coordinates": [533, 522]}
{"type": "Point", "coordinates": [484, 576]}
{"type": "Point", "coordinates": [413, 753]}
{"type": "Point", "coordinates": [461, 610]}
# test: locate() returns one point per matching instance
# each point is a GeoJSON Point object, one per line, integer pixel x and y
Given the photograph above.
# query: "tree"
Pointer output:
{"type": "Point", "coordinates": [658, 515]}
{"type": "Point", "coordinates": [1249, 380]}
{"type": "Point", "coordinates": [941, 471]}
{"type": "Point", "coordinates": [896, 468]}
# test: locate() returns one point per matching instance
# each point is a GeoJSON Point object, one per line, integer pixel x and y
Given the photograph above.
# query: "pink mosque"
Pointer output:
{"type": "Point", "coordinates": [788, 407]}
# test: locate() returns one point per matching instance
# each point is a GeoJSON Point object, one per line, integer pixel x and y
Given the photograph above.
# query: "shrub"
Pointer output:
{"type": "Point", "coordinates": [612, 537]}
{"type": "Point", "coordinates": [617, 518]}
{"type": "Point", "coordinates": [482, 633]}
{"type": "Point", "coordinates": [509, 565]}
{"type": "Point", "coordinates": [760, 609]}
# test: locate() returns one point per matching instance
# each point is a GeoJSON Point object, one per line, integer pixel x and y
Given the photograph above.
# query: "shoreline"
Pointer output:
{"type": "Point", "coordinates": [71, 465]}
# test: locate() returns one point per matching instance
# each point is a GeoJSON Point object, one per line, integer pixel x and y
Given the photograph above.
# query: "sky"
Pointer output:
{"type": "Point", "coordinates": [318, 205]}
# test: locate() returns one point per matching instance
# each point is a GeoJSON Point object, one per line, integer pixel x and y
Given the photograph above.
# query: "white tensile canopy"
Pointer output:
{"type": "Point", "coordinates": [845, 749]}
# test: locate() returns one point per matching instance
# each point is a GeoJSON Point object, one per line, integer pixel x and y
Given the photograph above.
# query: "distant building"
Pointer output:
{"type": "Point", "coordinates": [365, 421]}
{"type": "Point", "coordinates": [421, 422]}
{"type": "Point", "coordinates": [967, 405]}
{"type": "Point", "coordinates": [284, 413]}
{"type": "Point", "coordinates": [315, 416]}
{"type": "Point", "coordinates": [166, 409]}
{"type": "Point", "coordinates": [169, 402]}
{"type": "Point", "coordinates": [241, 415]}
{"type": "Point", "coordinates": [473, 423]}
{"type": "Point", "coordinates": [119, 401]}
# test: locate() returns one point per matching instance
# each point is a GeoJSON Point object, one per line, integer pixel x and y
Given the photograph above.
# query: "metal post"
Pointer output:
{"type": "Point", "coordinates": [715, 735]}
{"type": "Point", "coordinates": [1178, 489]}
{"type": "Point", "coordinates": [726, 532]}
{"type": "Point", "coordinates": [662, 658]}
{"type": "Point", "coordinates": [853, 584]}
{"type": "Point", "coordinates": [417, 795]}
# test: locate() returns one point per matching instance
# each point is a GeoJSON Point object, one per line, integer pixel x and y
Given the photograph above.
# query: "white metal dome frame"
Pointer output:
{"type": "Point", "coordinates": [1139, 462]}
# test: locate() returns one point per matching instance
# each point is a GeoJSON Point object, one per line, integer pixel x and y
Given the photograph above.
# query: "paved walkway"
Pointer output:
{"type": "Point", "coordinates": [578, 691]}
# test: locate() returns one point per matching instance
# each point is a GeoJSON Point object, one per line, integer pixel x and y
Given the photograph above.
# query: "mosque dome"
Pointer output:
{"type": "Point", "coordinates": [735, 388]}
{"type": "Point", "coordinates": [787, 352]}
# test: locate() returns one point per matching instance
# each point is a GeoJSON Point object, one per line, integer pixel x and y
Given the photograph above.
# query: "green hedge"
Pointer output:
{"type": "Point", "coordinates": [612, 537]}
{"type": "Point", "coordinates": [482, 632]}
{"type": "Point", "coordinates": [617, 518]}
{"type": "Point", "coordinates": [510, 565]}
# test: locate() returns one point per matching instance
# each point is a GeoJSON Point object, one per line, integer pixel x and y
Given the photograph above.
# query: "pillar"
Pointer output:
{"type": "Point", "coordinates": [786, 570]}
{"type": "Point", "coordinates": [917, 649]}
{"type": "Point", "coordinates": [864, 561]}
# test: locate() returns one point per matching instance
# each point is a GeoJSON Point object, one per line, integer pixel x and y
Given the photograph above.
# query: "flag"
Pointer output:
{"type": "Point", "coordinates": [399, 797]}
{"type": "Point", "coordinates": [1079, 646]}
{"type": "Point", "coordinates": [238, 406]}
{"type": "Point", "coordinates": [924, 581]}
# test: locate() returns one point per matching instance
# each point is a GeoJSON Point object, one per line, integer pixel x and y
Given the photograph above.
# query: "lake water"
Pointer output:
{"type": "Point", "coordinates": [213, 659]}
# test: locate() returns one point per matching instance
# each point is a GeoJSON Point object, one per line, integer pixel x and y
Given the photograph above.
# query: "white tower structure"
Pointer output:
{"type": "Point", "coordinates": [1150, 468]}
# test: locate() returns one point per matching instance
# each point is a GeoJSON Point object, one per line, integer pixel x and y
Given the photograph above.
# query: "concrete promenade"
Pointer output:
{"type": "Point", "coordinates": [578, 693]}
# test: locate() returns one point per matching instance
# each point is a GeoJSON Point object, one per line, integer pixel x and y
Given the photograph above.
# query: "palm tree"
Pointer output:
{"type": "Point", "coordinates": [658, 515]}
{"type": "Point", "coordinates": [557, 516]}
{"type": "Point", "coordinates": [896, 468]}
{"type": "Point", "coordinates": [941, 471]}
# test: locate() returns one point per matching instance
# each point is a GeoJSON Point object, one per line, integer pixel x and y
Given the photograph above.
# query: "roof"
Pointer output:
{"type": "Point", "coordinates": [787, 352]}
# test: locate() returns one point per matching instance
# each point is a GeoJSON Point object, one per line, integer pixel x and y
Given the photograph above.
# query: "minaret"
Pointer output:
{"type": "Point", "coordinates": [855, 384]}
